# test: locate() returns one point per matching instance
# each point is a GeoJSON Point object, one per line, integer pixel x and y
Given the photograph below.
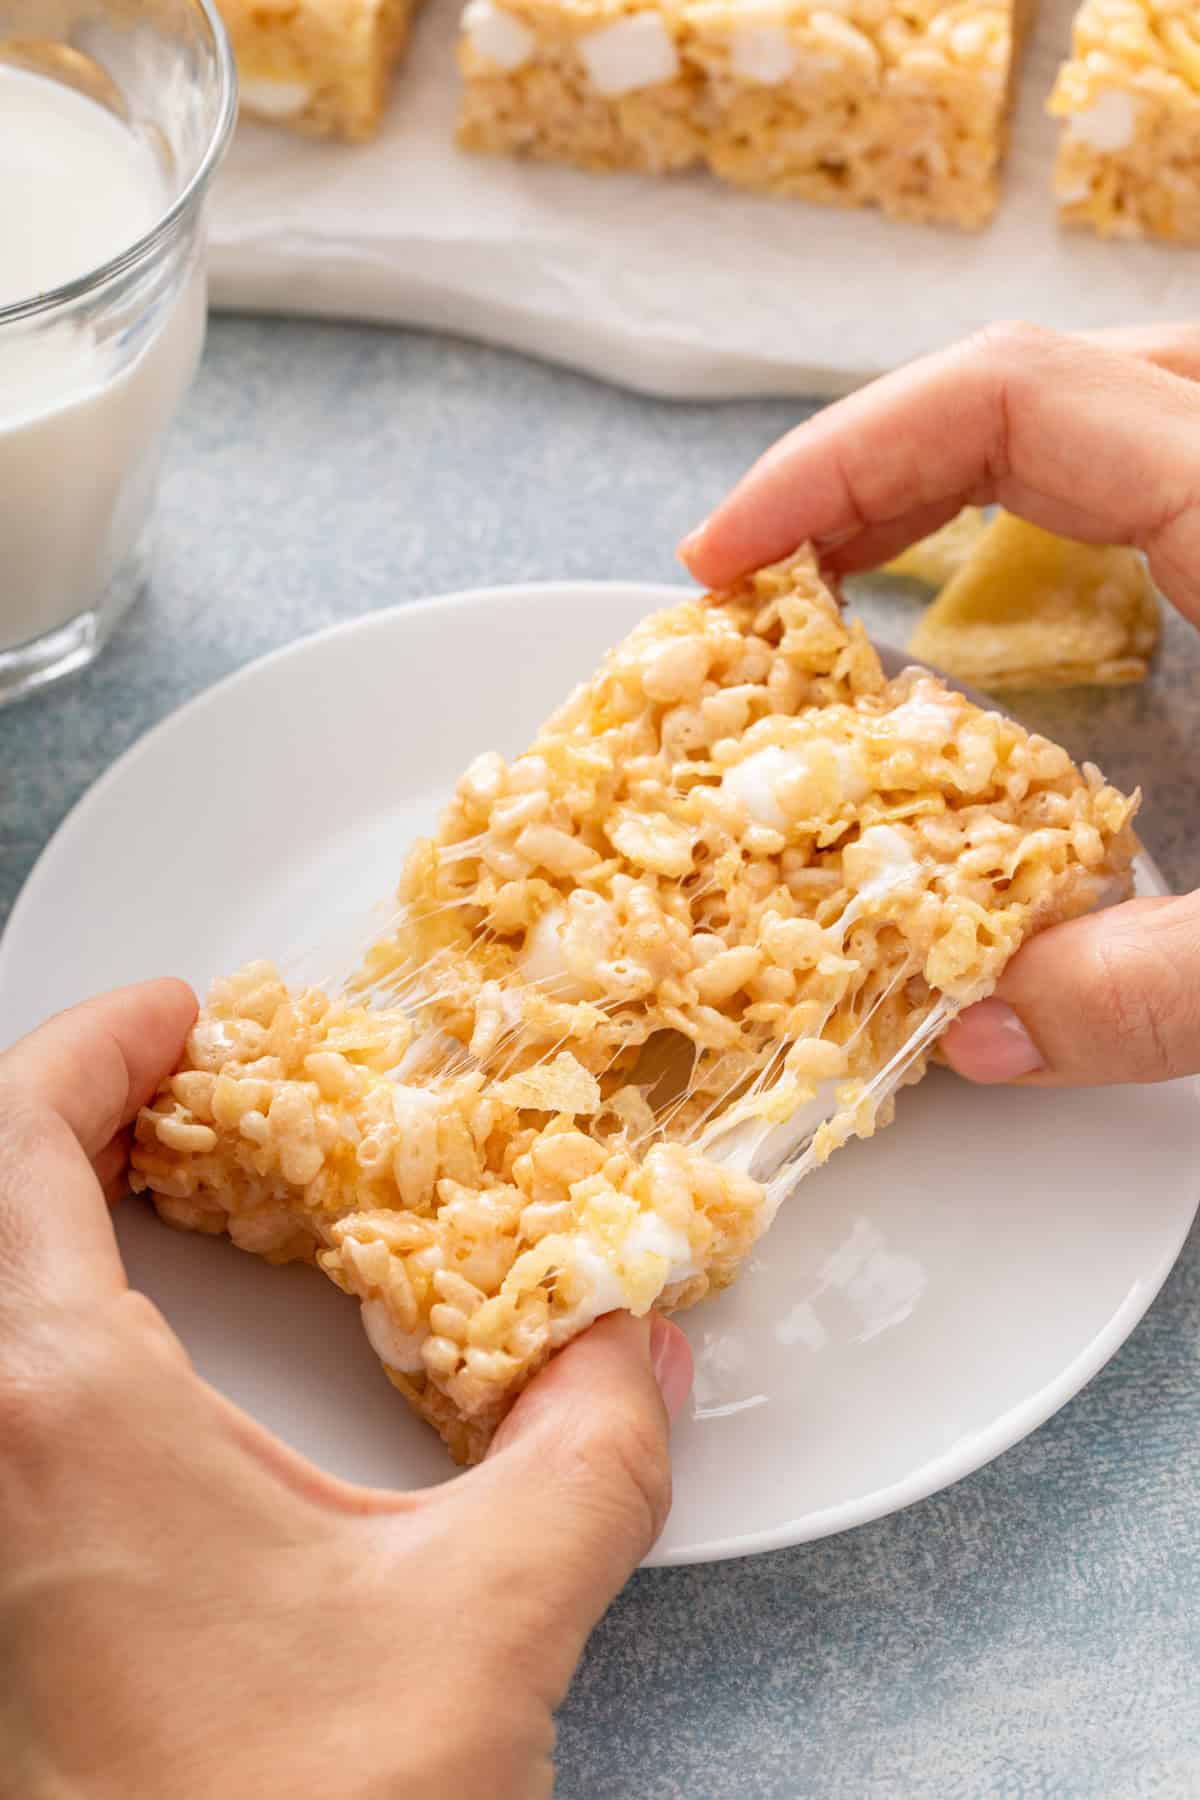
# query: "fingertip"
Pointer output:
{"type": "Point", "coordinates": [702, 562]}
{"type": "Point", "coordinates": [606, 1366]}
{"type": "Point", "coordinates": [173, 996]}
{"type": "Point", "coordinates": [152, 1020]}
{"type": "Point", "coordinates": [98, 1063]}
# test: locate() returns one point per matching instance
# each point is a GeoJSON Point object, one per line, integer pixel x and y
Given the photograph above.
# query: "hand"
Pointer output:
{"type": "Point", "coordinates": [189, 1608]}
{"type": "Point", "coordinates": [1096, 439]}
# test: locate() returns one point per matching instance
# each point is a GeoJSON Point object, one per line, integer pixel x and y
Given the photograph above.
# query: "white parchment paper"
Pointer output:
{"type": "Point", "coordinates": [676, 286]}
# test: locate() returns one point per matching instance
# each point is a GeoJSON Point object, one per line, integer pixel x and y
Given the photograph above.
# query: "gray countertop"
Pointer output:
{"type": "Point", "coordinates": [1034, 1630]}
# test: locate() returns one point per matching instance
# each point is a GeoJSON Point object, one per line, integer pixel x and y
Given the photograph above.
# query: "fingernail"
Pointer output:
{"type": "Point", "coordinates": [989, 1043]}
{"type": "Point", "coordinates": [671, 1361]}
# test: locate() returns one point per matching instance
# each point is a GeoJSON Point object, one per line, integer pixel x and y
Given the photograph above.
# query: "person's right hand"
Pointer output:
{"type": "Point", "coordinates": [1095, 439]}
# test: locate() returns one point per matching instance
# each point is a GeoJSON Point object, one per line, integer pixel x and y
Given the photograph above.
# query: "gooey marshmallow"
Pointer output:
{"type": "Point", "coordinates": [764, 53]}
{"type": "Point", "coordinates": [634, 52]}
{"type": "Point", "coordinates": [542, 958]}
{"type": "Point", "coordinates": [1108, 124]}
{"type": "Point", "coordinates": [755, 780]}
{"type": "Point", "coordinates": [398, 1349]}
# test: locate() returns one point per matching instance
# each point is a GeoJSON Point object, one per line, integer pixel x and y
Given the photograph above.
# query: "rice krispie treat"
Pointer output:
{"type": "Point", "coordinates": [1129, 98]}
{"type": "Point", "coordinates": [317, 66]}
{"type": "Point", "coordinates": [644, 978]}
{"type": "Point", "coordinates": [870, 103]}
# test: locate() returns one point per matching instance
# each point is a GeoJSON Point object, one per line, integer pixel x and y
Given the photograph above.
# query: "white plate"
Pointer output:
{"type": "Point", "coordinates": [922, 1303]}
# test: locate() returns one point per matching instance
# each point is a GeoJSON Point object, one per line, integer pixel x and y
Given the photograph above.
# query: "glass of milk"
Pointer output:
{"type": "Point", "coordinates": [113, 117]}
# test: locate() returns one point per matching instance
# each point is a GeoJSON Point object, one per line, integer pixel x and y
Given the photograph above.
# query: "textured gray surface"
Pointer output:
{"type": "Point", "coordinates": [1034, 1630]}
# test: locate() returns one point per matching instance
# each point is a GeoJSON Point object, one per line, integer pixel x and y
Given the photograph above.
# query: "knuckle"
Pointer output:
{"type": "Point", "coordinates": [73, 1371]}
{"type": "Point", "coordinates": [1012, 342]}
{"type": "Point", "coordinates": [47, 1380]}
{"type": "Point", "coordinates": [1137, 993]}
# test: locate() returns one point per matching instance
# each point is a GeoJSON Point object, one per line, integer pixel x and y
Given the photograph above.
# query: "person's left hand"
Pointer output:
{"type": "Point", "coordinates": [187, 1607]}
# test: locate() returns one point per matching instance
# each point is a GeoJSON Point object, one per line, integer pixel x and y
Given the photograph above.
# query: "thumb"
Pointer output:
{"type": "Point", "coordinates": [1108, 998]}
{"type": "Point", "coordinates": [577, 1485]}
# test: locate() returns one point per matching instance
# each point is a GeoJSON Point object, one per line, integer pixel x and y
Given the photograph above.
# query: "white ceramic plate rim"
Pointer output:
{"type": "Point", "coordinates": [940, 1472]}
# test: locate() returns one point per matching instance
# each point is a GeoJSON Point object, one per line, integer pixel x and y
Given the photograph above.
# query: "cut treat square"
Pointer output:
{"type": "Point", "coordinates": [867, 105]}
{"type": "Point", "coordinates": [644, 979]}
{"type": "Point", "coordinates": [1129, 98]}
{"type": "Point", "coordinates": [318, 66]}
{"type": "Point", "coordinates": [601, 83]}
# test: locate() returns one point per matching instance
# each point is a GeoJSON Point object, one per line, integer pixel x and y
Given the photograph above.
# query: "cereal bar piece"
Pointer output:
{"type": "Point", "coordinates": [644, 978]}
{"type": "Point", "coordinates": [872, 103]}
{"type": "Point", "coordinates": [318, 66]}
{"type": "Point", "coordinates": [1129, 98]}
{"type": "Point", "coordinates": [601, 83]}
{"type": "Point", "coordinates": [1028, 609]}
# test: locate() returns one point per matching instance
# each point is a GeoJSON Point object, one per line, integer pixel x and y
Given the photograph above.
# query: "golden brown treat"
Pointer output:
{"type": "Point", "coordinates": [869, 104]}
{"type": "Point", "coordinates": [1028, 609]}
{"type": "Point", "coordinates": [1129, 98]}
{"type": "Point", "coordinates": [318, 66]}
{"type": "Point", "coordinates": [645, 977]}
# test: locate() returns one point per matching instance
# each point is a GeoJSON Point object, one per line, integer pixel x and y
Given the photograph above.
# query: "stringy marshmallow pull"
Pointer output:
{"type": "Point", "coordinates": [879, 860]}
{"type": "Point", "coordinates": [496, 35]}
{"type": "Point", "coordinates": [764, 53]}
{"type": "Point", "coordinates": [1109, 124]}
{"type": "Point", "coordinates": [636, 52]}
{"type": "Point", "coordinates": [878, 863]}
{"type": "Point", "coordinates": [765, 781]}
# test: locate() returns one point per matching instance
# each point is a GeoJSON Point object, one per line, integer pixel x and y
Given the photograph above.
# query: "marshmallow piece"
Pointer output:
{"type": "Point", "coordinates": [275, 99]}
{"type": "Point", "coordinates": [755, 779]}
{"type": "Point", "coordinates": [1108, 124]}
{"type": "Point", "coordinates": [496, 36]}
{"type": "Point", "coordinates": [400, 1350]}
{"type": "Point", "coordinates": [635, 52]}
{"type": "Point", "coordinates": [764, 53]}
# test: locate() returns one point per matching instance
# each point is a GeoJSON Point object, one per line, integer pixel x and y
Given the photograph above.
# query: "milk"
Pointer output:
{"type": "Point", "coordinates": [86, 391]}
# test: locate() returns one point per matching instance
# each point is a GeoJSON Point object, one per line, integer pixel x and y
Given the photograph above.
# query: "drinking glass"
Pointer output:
{"type": "Point", "coordinates": [92, 372]}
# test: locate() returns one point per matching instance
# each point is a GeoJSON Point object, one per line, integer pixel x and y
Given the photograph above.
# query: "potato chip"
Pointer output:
{"type": "Point", "coordinates": [1029, 609]}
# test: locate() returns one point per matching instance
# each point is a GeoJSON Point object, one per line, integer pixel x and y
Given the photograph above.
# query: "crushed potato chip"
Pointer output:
{"type": "Point", "coordinates": [1029, 609]}
{"type": "Point", "coordinates": [561, 1086]}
